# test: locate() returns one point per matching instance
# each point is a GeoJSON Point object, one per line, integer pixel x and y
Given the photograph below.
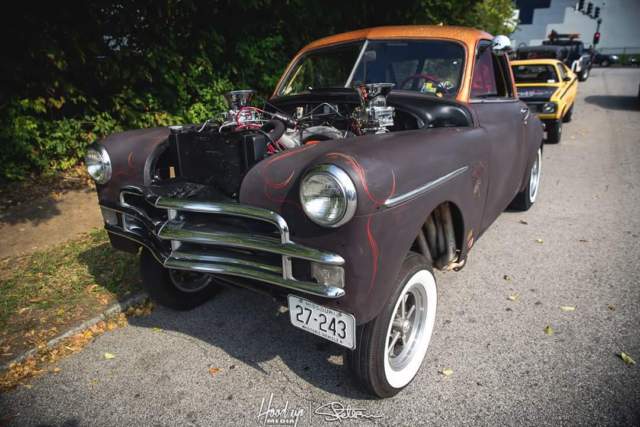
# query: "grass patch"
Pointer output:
{"type": "Point", "coordinates": [44, 293]}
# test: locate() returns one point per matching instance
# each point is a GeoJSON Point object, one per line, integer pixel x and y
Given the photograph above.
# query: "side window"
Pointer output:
{"type": "Point", "coordinates": [491, 74]}
{"type": "Point", "coordinates": [562, 71]}
{"type": "Point", "coordinates": [483, 83]}
{"type": "Point", "coordinates": [507, 76]}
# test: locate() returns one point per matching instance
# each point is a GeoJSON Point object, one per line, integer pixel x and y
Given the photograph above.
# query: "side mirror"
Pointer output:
{"type": "Point", "coordinates": [501, 45]}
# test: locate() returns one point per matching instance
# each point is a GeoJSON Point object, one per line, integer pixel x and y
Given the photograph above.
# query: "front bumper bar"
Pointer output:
{"type": "Point", "coordinates": [213, 255]}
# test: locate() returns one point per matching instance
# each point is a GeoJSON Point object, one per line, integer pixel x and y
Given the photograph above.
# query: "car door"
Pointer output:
{"type": "Point", "coordinates": [502, 116]}
{"type": "Point", "coordinates": [570, 86]}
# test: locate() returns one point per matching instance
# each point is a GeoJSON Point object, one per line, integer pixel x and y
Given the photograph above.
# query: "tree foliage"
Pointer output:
{"type": "Point", "coordinates": [74, 72]}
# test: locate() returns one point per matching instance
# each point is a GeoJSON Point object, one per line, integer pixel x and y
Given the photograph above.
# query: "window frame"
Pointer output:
{"type": "Point", "coordinates": [365, 41]}
{"type": "Point", "coordinates": [502, 68]}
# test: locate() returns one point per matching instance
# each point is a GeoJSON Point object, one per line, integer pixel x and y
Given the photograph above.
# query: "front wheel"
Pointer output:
{"type": "Point", "coordinates": [554, 131]}
{"type": "Point", "coordinates": [176, 289]}
{"type": "Point", "coordinates": [391, 348]}
{"type": "Point", "coordinates": [527, 197]}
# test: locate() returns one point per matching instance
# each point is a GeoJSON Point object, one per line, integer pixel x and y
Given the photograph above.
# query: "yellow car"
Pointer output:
{"type": "Point", "coordinates": [549, 88]}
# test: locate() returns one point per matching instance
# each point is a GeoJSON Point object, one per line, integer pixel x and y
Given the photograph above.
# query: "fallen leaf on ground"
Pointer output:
{"type": "Point", "coordinates": [56, 370]}
{"type": "Point", "coordinates": [447, 372]}
{"type": "Point", "coordinates": [548, 330]}
{"type": "Point", "coordinates": [91, 288]}
{"type": "Point", "coordinates": [156, 329]}
{"type": "Point", "coordinates": [109, 356]}
{"type": "Point", "coordinates": [506, 277]}
{"type": "Point", "coordinates": [214, 371]}
{"type": "Point", "coordinates": [611, 307]}
{"type": "Point", "coordinates": [583, 241]}
{"type": "Point", "coordinates": [567, 308]}
{"type": "Point", "coordinates": [522, 221]}
{"type": "Point", "coordinates": [539, 241]}
{"type": "Point", "coordinates": [626, 358]}
{"type": "Point", "coordinates": [513, 297]}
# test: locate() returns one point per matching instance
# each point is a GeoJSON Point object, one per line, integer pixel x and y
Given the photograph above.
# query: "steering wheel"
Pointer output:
{"type": "Point", "coordinates": [421, 76]}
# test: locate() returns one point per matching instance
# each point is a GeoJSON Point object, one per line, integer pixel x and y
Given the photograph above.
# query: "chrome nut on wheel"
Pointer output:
{"type": "Point", "coordinates": [392, 347]}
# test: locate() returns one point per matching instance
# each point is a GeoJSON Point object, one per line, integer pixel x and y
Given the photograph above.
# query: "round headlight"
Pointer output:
{"type": "Point", "coordinates": [328, 196]}
{"type": "Point", "coordinates": [98, 164]}
{"type": "Point", "coordinates": [549, 107]}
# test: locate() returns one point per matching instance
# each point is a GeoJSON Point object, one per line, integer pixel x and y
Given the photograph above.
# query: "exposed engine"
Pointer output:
{"type": "Point", "coordinates": [219, 154]}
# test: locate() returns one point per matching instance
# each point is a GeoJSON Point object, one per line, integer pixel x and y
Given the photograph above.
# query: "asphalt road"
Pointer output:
{"type": "Point", "coordinates": [506, 370]}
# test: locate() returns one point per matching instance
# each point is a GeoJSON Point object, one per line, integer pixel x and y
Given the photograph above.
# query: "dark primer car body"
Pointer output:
{"type": "Point", "coordinates": [427, 187]}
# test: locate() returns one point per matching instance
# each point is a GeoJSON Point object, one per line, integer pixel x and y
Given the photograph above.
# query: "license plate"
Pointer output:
{"type": "Point", "coordinates": [327, 323]}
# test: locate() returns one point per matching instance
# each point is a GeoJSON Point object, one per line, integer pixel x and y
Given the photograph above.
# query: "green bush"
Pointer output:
{"type": "Point", "coordinates": [74, 74]}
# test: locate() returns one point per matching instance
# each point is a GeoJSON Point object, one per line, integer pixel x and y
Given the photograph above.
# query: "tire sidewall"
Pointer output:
{"type": "Point", "coordinates": [414, 269]}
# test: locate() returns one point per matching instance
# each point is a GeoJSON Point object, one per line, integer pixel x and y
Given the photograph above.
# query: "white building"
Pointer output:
{"type": "Point", "coordinates": [619, 30]}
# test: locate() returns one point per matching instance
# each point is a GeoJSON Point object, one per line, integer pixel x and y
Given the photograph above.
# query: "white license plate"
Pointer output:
{"type": "Point", "coordinates": [327, 323]}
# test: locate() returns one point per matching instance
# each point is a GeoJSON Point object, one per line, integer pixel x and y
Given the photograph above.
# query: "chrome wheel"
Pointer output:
{"type": "Point", "coordinates": [410, 328]}
{"type": "Point", "coordinates": [188, 281]}
{"type": "Point", "coordinates": [534, 178]}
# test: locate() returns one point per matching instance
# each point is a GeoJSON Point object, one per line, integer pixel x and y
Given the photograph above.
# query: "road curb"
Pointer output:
{"type": "Point", "coordinates": [111, 311]}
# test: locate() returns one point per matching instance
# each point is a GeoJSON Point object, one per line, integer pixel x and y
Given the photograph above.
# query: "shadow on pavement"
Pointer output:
{"type": "Point", "coordinates": [615, 102]}
{"type": "Point", "coordinates": [33, 212]}
{"type": "Point", "coordinates": [252, 328]}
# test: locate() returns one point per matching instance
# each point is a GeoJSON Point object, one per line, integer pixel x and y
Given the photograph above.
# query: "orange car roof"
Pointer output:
{"type": "Point", "coordinates": [468, 36]}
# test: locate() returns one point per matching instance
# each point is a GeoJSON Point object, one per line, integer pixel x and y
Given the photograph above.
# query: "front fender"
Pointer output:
{"type": "Point", "coordinates": [375, 242]}
{"type": "Point", "coordinates": [129, 152]}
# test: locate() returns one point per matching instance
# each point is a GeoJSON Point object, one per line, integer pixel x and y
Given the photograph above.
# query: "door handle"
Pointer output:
{"type": "Point", "coordinates": [525, 113]}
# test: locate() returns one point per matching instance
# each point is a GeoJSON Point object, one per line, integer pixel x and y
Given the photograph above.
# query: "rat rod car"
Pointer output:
{"type": "Point", "coordinates": [549, 88]}
{"type": "Point", "coordinates": [383, 153]}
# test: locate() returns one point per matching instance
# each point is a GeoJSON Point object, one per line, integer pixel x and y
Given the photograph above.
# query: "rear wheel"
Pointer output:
{"type": "Point", "coordinates": [527, 197]}
{"type": "Point", "coordinates": [176, 289]}
{"type": "Point", "coordinates": [584, 75]}
{"type": "Point", "coordinates": [391, 348]}
{"type": "Point", "coordinates": [554, 131]}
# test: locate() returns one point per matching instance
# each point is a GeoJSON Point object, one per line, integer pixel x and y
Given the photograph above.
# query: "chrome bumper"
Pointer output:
{"type": "Point", "coordinates": [133, 223]}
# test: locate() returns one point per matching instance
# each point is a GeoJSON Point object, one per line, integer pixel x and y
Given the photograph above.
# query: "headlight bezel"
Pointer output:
{"type": "Point", "coordinates": [553, 109]}
{"type": "Point", "coordinates": [105, 162]}
{"type": "Point", "coordinates": [347, 190]}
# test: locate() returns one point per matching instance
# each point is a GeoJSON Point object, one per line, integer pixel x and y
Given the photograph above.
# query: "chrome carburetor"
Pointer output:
{"type": "Point", "coordinates": [374, 115]}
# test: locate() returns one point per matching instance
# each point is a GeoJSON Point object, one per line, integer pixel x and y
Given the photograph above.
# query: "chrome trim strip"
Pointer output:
{"type": "Point", "coordinates": [179, 231]}
{"type": "Point", "coordinates": [231, 270]}
{"type": "Point", "coordinates": [218, 257]}
{"type": "Point", "coordinates": [393, 201]}
{"type": "Point", "coordinates": [233, 209]}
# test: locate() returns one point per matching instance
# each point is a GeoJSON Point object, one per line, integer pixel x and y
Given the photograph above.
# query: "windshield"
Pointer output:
{"type": "Point", "coordinates": [426, 66]}
{"type": "Point", "coordinates": [535, 74]}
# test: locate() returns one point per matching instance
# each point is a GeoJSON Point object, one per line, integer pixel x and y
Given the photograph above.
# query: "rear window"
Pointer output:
{"type": "Point", "coordinates": [535, 74]}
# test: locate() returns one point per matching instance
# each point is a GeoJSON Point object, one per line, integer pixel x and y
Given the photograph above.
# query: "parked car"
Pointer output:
{"type": "Point", "coordinates": [605, 59]}
{"type": "Point", "coordinates": [549, 88]}
{"type": "Point", "coordinates": [383, 154]}
{"type": "Point", "coordinates": [565, 48]}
